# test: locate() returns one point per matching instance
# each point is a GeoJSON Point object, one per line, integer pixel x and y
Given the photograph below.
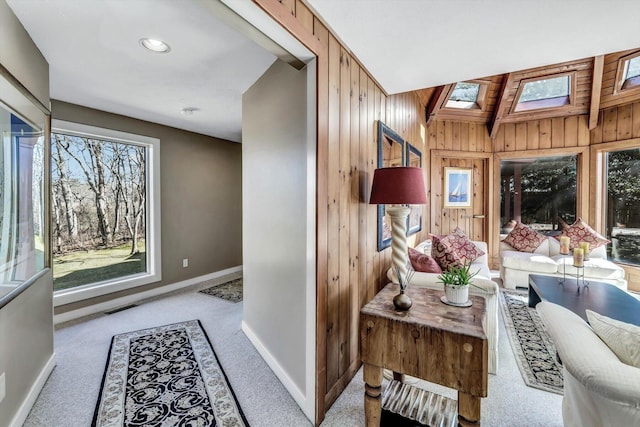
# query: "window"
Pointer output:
{"type": "Point", "coordinates": [628, 72]}
{"type": "Point", "coordinates": [467, 95]}
{"type": "Point", "coordinates": [540, 192]}
{"type": "Point", "coordinates": [623, 205]}
{"type": "Point", "coordinates": [105, 211]}
{"type": "Point", "coordinates": [546, 92]}
{"type": "Point", "coordinates": [22, 186]}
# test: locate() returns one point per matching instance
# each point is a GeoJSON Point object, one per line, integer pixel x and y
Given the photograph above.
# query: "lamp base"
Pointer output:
{"type": "Point", "coordinates": [402, 301]}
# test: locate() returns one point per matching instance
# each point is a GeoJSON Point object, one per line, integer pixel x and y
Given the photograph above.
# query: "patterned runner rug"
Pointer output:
{"type": "Point", "coordinates": [230, 291]}
{"type": "Point", "coordinates": [534, 351]}
{"type": "Point", "coordinates": [166, 376]}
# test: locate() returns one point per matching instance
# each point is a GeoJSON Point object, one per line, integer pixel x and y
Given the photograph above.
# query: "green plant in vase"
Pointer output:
{"type": "Point", "coordinates": [456, 283]}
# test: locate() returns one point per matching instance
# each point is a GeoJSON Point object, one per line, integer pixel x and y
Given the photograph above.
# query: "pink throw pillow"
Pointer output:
{"type": "Point", "coordinates": [423, 263]}
{"type": "Point", "coordinates": [524, 239]}
{"type": "Point", "coordinates": [580, 231]}
{"type": "Point", "coordinates": [454, 250]}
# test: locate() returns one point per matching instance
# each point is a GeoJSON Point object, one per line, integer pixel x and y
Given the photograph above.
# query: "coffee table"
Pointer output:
{"type": "Point", "coordinates": [603, 298]}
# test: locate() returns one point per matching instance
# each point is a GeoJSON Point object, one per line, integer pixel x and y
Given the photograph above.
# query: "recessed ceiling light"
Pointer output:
{"type": "Point", "coordinates": [155, 45]}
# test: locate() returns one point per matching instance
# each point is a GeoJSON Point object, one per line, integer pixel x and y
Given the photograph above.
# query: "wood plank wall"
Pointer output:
{"type": "Point", "coordinates": [558, 132]}
{"type": "Point", "coordinates": [350, 271]}
{"type": "Point", "coordinates": [609, 97]}
{"type": "Point", "coordinates": [464, 145]}
{"type": "Point", "coordinates": [617, 124]}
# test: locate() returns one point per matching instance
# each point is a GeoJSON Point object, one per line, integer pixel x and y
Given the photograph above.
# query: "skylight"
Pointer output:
{"type": "Point", "coordinates": [464, 95]}
{"type": "Point", "coordinates": [631, 72]}
{"type": "Point", "coordinates": [633, 67]}
{"type": "Point", "coordinates": [545, 93]}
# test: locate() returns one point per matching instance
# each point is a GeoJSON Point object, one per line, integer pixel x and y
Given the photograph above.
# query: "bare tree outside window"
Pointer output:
{"type": "Point", "coordinates": [98, 203]}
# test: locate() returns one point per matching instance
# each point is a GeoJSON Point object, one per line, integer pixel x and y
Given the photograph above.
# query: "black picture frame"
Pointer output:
{"type": "Point", "coordinates": [391, 153]}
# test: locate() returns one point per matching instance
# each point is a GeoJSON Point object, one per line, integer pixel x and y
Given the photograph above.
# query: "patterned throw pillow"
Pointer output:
{"type": "Point", "coordinates": [524, 239]}
{"type": "Point", "coordinates": [622, 338]}
{"type": "Point", "coordinates": [580, 231]}
{"type": "Point", "coordinates": [454, 250]}
{"type": "Point", "coordinates": [423, 263]}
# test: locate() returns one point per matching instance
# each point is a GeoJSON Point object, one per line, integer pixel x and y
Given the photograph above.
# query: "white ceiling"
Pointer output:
{"type": "Point", "coordinates": [414, 44]}
{"type": "Point", "coordinates": [95, 60]}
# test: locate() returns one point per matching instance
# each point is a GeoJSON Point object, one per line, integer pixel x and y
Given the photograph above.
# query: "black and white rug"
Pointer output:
{"type": "Point", "coordinates": [532, 346]}
{"type": "Point", "coordinates": [230, 291]}
{"type": "Point", "coordinates": [166, 376]}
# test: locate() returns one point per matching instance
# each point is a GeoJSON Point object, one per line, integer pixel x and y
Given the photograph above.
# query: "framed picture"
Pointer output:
{"type": "Point", "coordinates": [457, 187]}
{"type": "Point", "coordinates": [413, 158]}
{"type": "Point", "coordinates": [390, 154]}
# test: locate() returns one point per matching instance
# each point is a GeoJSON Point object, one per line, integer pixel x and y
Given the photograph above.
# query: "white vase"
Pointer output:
{"type": "Point", "coordinates": [456, 294]}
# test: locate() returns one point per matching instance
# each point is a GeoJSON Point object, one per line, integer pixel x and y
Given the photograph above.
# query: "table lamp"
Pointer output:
{"type": "Point", "coordinates": [399, 186]}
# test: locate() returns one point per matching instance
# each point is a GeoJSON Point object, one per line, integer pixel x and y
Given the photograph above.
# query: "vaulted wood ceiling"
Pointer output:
{"type": "Point", "coordinates": [595, 86]}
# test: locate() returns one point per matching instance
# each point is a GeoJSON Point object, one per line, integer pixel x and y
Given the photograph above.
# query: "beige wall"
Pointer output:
{"type": "Point", "coordinates": [20, 56]}
{"type": "Point", "coordinates": [26, 347]}
{"type": "Point", "coordinates": [201, 196]}
{"type": "Point", "coordinates": [279, 224]}
{"type": "Point", "coordinates": [26, 322]}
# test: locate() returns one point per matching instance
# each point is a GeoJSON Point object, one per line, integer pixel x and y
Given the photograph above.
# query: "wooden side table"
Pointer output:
{"type": "Point", "coordinates": [433, 341]}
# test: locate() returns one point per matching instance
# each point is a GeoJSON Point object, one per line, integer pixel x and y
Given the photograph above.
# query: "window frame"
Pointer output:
{"type": "Point", "coordinates": [481, 100]}
{"type": "Point", "coordinates": [598, 183]}
{"type": "Point", "coordinates": [545, 104]}
{"type": "Point", "coordinates": [619, 86]}
{"type": "Point", "coordinates": [152, 214]}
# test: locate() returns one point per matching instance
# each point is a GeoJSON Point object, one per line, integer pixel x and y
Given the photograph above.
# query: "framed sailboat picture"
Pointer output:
{"type": "Point", "coordinates": [457, 187]}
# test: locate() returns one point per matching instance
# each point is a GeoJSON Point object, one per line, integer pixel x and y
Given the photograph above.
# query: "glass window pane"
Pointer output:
{"type": "Point", "coordinates": [623, 205]}
{"type": "Point", "coordinates": [22, 227]}
{"type": "Point", "coordinates": [464, 91]}
{"type": "Point", "coordinates": [540, 192]}
{"type": "Point", "coordinates": [99, 204]}
{"type": "Point", "coordinates": [545, 89]}
{"type": "Point", "coordinates": [633, 67]}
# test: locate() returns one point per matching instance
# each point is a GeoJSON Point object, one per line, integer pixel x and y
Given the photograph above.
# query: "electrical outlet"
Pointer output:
{"type": "Point", "coordinates": [3, 387]}
{"type": "Point", "coordinates": [185, 263]}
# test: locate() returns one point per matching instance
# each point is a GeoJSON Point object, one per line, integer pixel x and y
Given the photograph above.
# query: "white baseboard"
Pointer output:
{"type": "Point", "coordinates": [130, 299]}
{"type": "Point", "coordinates": [308, 407]}
{"type": "Point", "coordinates": [21, 416]}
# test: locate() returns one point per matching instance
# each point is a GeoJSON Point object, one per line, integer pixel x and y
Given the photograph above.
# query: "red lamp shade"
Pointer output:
{"type": "Point", "coordinates": [399, 186]}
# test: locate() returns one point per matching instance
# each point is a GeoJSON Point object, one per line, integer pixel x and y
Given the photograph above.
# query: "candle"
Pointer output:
{"type": "Point", "coordinates": [585, 248]}
{"type": "Point", "coordinates": [564, 245]}
{"type": "Point", "coordinates": [578, 257]}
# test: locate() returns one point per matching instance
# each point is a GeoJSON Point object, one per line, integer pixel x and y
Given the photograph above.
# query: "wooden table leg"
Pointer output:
{"type": "Point", "coordinates": [468, 409]}
{"type": "Point", "coordinates": [372, 376]}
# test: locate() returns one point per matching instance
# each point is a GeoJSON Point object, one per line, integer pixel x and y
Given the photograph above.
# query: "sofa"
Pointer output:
{"type": "Point", "coordinates": [485, 288]}
{"type": "Point", "coordinates": [599, 389]}
{"type": "Point", "coordinates": [515, 266]}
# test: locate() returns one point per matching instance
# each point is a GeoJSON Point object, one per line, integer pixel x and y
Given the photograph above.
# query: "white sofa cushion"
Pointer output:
{"type": "Point", "coordinates": [597, 268]}
{"type": "Point", "coordinates": [599, 390]}
{"type": "Point", "coordinates": [622, 338]}
{"type": "Point", "coordinates": [543, 249]}
{"type": "Point", "coordinates": [535, 263]}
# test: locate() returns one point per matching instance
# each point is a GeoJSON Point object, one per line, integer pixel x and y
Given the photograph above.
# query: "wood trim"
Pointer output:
{"type": "Point", "coordinates": [572, 93]}
{"type": "Point", "coordinates": [596, 88]}
{"type": "Point", "coordinates": [435, 102]}
{"type": "Point", "coordinates": [619, 82]}
{"type": "Point", "coordinates": [494, 123]}
{"type": "Point", "coordinates": [322, 245]}
{"type": "Point", "coordinates": [632, 274]}
{"type": "Point", "coordinates": [464, 154]}
{"type": "Point", "coordinates": [283, 16]}
{"type": "Point", "coordinates": [597, 166]}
